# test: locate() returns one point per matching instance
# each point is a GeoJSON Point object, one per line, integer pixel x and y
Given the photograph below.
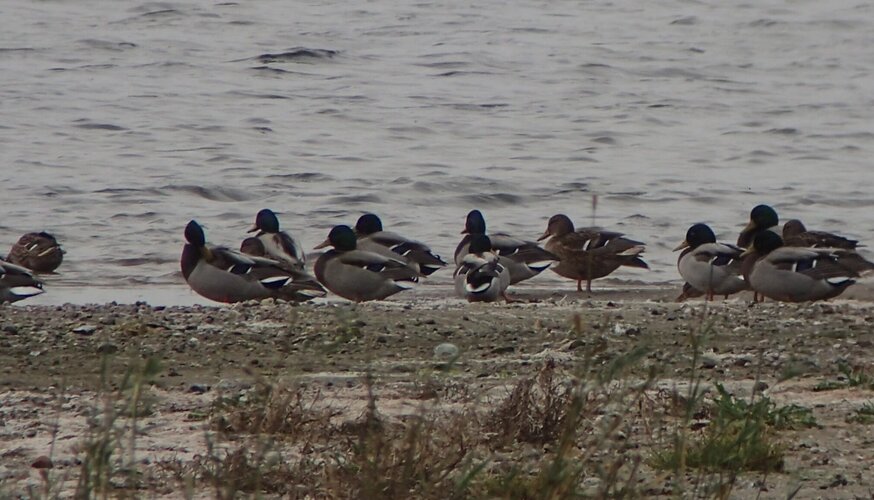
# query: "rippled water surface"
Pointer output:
{"type": "Point", "coordinates": [122, 121]}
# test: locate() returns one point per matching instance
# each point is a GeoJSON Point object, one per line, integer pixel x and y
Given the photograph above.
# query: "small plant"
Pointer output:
{"type": "Point", "coordinates": [863, 415]}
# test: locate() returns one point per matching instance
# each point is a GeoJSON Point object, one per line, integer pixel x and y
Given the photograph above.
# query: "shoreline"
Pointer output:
{"type": "Point", "coordinates": [51, 359]}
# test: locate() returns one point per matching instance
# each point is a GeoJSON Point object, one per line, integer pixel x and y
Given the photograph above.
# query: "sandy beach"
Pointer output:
{"type": "Point", "coordinates": [61, 363]}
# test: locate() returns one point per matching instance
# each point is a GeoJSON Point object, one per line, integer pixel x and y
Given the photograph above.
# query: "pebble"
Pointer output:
{"type": "Point", "coordinates": [42, 462]}
{"type": "Point", "coordinates": [85, 329]}
{"type": "Point", "coordinates": [446, 351]}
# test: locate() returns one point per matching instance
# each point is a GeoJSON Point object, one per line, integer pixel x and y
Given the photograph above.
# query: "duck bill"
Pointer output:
{"type": "Point", "coordinates": [747, 252]}
{"type": "Point", "coordinates": [253, 229]}
{"type": "Point", "coordinates": [749, 227]}
{"type": "Point", "coordinates": [684, 244]}
{"type": "Point", "coordinates": [323, 244]}
{"type": "Point", "coordinates": [465, 231]}
{"type": "Point", "coordinates": [546, 234]}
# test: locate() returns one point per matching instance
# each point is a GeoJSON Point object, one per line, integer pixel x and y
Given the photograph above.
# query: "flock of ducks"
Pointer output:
{"type": "Point", "coordinates": [369, 263]}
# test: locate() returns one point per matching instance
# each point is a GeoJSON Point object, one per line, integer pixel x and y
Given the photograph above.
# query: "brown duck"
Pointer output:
{"type": "Point", "coordinates": [39, 252]}
{"type": "Point", "coordinates": [589, 253]}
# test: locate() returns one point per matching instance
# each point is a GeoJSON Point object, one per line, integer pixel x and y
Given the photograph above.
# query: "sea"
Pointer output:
{"type": "Point", "coordinates": [122, 121]}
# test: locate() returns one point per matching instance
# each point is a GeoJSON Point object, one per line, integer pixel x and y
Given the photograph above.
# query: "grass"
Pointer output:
{"type": "Point", "coordinates": [863, 415]}
{"type": "Point", "coordinates": [582, 429]}
{"type": "Point", "coordinates": [849, 376]}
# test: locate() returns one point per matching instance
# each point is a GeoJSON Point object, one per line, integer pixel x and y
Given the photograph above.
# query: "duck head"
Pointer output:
{"type": "Point", "coordinates": [342, 238]}
{"type": "Point", "coordinates": [696, 236]}
{"type": "Point", "coordinates": [475, 223]}
{"type": "Point", "coordinates": [266, 221]}
{"type": "Point", "coordinates": [558, 225]}
{"type": "Point", "coordinates": [368, 224]}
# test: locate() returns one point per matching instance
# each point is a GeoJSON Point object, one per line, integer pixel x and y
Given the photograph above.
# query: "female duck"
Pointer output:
{"type": "Point", "coordinates": [359, 275]}
{"type": "Point", "coordinates": [17, 283]}
{"type": "Point", "coordinates": [372, 238]}
{"type": "Point", "coordinates": [796, 235]}
{"type": "Point", "coordinates": [278, 244]}
{"type": "Point", "coordinates": [224, 275]}
{"type": "Point", "coordinates": [589, 253]}
{"type": "Point", "coordinates": [523, 259]}
{"type": "Point", "coordinates": [708, 266]}
{"type": "Point", "coordinates": [39, 252]}
{"type": "Point", "coordinates": [481, 275]}
{"type": "Point", "coordinates": [795, 274]}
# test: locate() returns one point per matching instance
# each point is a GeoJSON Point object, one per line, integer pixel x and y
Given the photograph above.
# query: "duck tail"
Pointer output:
{"type": "Point", "coordinates": [631, 257]}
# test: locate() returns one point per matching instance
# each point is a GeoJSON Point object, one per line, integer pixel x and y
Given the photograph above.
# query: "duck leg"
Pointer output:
{"type": "Point", "coordinates": [579, 285]}
{"type": "Point", "coordinates": [589, 287]}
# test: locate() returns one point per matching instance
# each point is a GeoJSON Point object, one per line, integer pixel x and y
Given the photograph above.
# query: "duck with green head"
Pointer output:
{"type": "Point", "coordinates": [762, 218]}
{"type": "Point", "coordinates": [710, 266]}
{"type": "Point", "coordinates": [278, 245]}
{"type": "Point", "coordinates": [224, 275]}
{"type": "Point", "coordinates": [481, 275]}
{"type": "Point", "coordinates": [359, 275]}
{"type": "Point", "coordinates": [372, 238]}
{"type": "Point", "coordinates": [796, 274]}
{"type": "Point", "coordinates": [524, 259]}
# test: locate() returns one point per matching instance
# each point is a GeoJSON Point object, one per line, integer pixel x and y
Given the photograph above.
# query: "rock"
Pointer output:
{"type": "Point", "coordinates": [198, 388]}
{"type": "Point", "coordinates": [107, 348]}
{"type": "Point", "coordinates": [708, 362]}
{"type": "Point", "coordinates": [42, 462]}
{"type": "Point", "coordinates": [85, 330]}
{"type": "Point", "coordinates": [10, 329]}
{"type": "Point", "coordinates": [446, 351]}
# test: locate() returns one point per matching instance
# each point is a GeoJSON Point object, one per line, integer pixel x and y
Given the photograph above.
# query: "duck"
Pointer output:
{"type": "Point", "coordinates": [797, 274]}
{"type": "Point", "coordinates": [17, 283]}
{"type": "Point", "coordinates": [762, 218]}
{"type": "Point", "coordinates": [589, 253]}
{"type": "Point", "coordinates": [278, 245]}
{"type": "Point", "coordinates": [481, 275]}
{"type": "Point", "coordinates": [224, 275]}
{"type": "Point", "coordinates": [39, 252]}
{"type": "Point", "coordinates": [710, 266]}
{"type": "Point", "coordinates": [372, 238]}
{"type": "Point", "coordinates": [524, 259]}
{"type": "Point", "coordinates": [359, 275]}
{"type": "Point", "coordinates": [796, 235]}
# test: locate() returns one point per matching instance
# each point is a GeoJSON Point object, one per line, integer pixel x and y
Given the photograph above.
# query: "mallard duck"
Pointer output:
{"type": "Point", "coordinates": [278, 245]}
{"type": "Point", "coordinates": [39, 252]}
{"type": "Point", "coordinates": [224, 275]}
{"type": "Point", "coordinates": [589, 253]}
{"type": "Point", "coordinates": [481, 276]}
{"type": "Point", "coordinates": [372, 238]}
{"type": "Point", "coordinates": [359, 275]}
{"type": "Point", "coordinates": [17, 283]}
{"type": "Point", "coordinates": [709, 266]}
{"type": "Point", "coordinates": [762, 218]}
{"type": "Point", "coordinates": [796, 274]}
{"type": "Point", "coordinates": [524, 259]}
{"type": "Point", "coordinates": [796, 235]}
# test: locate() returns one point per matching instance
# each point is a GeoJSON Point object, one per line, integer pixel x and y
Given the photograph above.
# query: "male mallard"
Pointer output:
{"type": "Point", "coordinates": [17, 283]}
{"type": "Point", "coordinates": [278, 245]}
{"type": "Point", "coordinates": [372, 238]}
{"type": "Point", "coordinates": [524, 259]}
{"type": "Point", "coordinates": [711, 267]}
{"type": "Point", "coordinates": [481, 275]}
{"type": "Point", "coordinates": [796, 235]}
{"type": "Point", "coordinates": [359, 275]}
{"type": "Point", "coordinates": [589, 253]}
{"type": "Point", "coordinates": [39, 252]}
{"type": "Point", "coordinates": [796, 274]}
{"type": "Point", "coordinates": [762, 218]}
{"type": "Point", "coordinates": [225, 275]}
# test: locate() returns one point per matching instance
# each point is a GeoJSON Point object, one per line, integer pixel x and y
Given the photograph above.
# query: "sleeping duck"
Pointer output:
{"type": "Point", "coordinates": [589, 253]}
{"type": "Point", "coordinates": [524, 259]}
{"type": "Point", "coordinates": [796, 274]}
{"type": "Point", "coordinates": [372, 238]}
{"type": "Point", "coordinates": [224, 275]}
{"type": "Point", "coordinates": [481, 275]}
{"type": "Point", "coordinates": [17, 283]}
{"type": "Point", "coordinates": [39, 252]}
{"type": "Point", "coordinates": [357, 274]}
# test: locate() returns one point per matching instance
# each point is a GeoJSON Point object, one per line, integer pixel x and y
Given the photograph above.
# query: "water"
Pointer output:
{"type": "Point", "coordinates": [122, 121]}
